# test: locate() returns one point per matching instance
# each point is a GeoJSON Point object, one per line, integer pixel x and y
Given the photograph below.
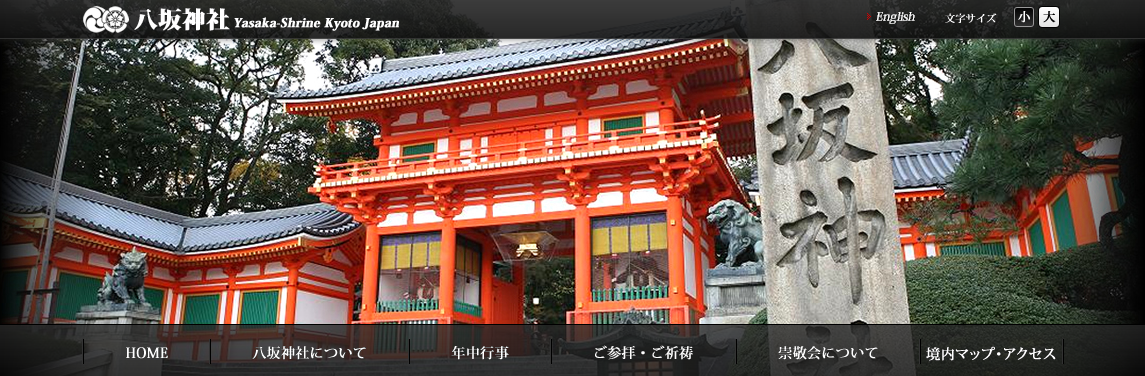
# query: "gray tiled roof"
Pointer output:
{"type": "Point", "coordinates": [925, 164]}
{"type": "Point", "coordinates": [411, 71]}
{"type": "Point", "coordinates": [917, 165]}
{"type": "Point", "coordinates": [27, 192]}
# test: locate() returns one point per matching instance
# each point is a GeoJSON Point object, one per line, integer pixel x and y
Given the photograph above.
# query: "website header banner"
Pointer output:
{"type": "Point", "coordinates": [528, 19]}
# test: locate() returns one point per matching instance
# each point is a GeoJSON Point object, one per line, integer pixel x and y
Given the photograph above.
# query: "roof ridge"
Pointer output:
{"type": "Point", "coordinates": [510, 47]}
{"type": "Point", "coordinates": [419, 70]}
{"type": "Point", "coordinates": [92, 195]}
{"type": "Point", "coordinates": [179, 234]}
{"type": "Point", "coordinates": [226, 219]}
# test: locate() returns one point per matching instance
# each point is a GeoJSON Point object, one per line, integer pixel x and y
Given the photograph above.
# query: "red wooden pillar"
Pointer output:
{"type": "Point", "coordinates": [453, 110]}
{"type": "Point", "coordinates": [580, 93]}
{"type": "Point", "coordinates": [698, 262]}
{"type": "Point", "coordinates": [919, 249]}
{"type": "Point", "coordinates": [677, 291]}
{"type": "Point", "coordinates": [583, 256]}
{"type": "Point", "coordinates": [448, 267]}
{"type": "Point", "coordinates": [292, 289]}
{"type": "Point", "coordinates": [1047, 228]}
{"type": "Point", "coordinates": [232, 272]}
{"type": "Point", "coordinates": [664, 83]}
{"type": "Point", "coordinates": [370, 278]}
{"type": "Point", "coordinates": [384, 130]}
{"type": "Point", "coordinates": [487, 285]}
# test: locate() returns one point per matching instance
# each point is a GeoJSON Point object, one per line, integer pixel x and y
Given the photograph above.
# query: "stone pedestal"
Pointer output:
{"type": "Point", "coordinates": [734, 295]}
{"type": "Point", "coordinates": [118, 327]}
{"type": "Point", "coordinates": [128, 313]}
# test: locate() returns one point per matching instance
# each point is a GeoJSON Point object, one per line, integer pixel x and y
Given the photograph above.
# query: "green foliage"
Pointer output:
{"type": "Point", "coordinates": [1028, 102]}
{"type": "Point", "coordinates": [907, 69]}
{"type": "Point", "coordinates": [554, 282]}
{"type": "Point", "coordinates": [189, 126]}
{"type": "Point", "coordinates": [948, 219]}
{"type": "Point", "coordinates": [744, 168]}
{"type": "Point", "coordinates": [754, 356]}
{"type": "Point", "coordinates": [165, 123]}
{"type": "Point", "coordinates": [759, 318]}
{"type": "Point", "coordinates": [1083, 285]}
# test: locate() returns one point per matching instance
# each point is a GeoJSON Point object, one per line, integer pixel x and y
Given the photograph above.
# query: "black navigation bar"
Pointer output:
{"type": "Point", "coordinates": [580, 18]}
{"type": "Point", "coordinates": [410, 348]}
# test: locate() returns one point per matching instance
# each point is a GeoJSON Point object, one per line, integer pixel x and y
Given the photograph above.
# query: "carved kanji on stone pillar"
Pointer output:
{"type": "Point", "coordinates": [826, 183]}
{"type": "Point", "coordinates": [828, 209]}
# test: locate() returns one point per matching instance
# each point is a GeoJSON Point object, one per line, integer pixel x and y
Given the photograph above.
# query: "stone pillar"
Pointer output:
{"type": "Point", "coordinates": [448, 267]}
{"type": "Point", "coordinates": [830, 222]}
{"type": "Point", "coordinates": [125, 326]}
{"type": "Point", "coordinates": [677, 291]}
{"type": "Point", "coordinates": [582, 256]}
{"type": "Point", "coordinates": [829, 218]}
{"type": "Point", "coordinates": [370, 278]}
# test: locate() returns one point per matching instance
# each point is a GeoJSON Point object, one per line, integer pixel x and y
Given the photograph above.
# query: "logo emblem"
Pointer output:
{"type": "Point", "coordinates": [97, 19]}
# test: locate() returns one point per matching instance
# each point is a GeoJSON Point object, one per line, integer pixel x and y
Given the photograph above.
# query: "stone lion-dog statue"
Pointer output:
{"type": "Point", "coordinates": [740, 230]}
{"type": "Point", "coordinates": [125, 282]}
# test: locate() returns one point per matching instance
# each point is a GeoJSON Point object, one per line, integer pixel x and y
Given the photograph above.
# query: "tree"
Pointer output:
{"type": "Point", "coordinates": [553, 282]}
{"type": "Point", "coordinates": [1028, 105]}
{"type": "Point", "coordinates": [182, 126]}
{"type": "Point", "coordinates": [189, 126]}
{"type": "Point", "coordinates": [908, 70]}
{"type": "Point", "coordinates": [134, 115]}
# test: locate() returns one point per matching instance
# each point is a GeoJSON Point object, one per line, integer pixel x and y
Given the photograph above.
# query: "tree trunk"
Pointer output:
{"type": "Point", "coordinates": [1129, 166]}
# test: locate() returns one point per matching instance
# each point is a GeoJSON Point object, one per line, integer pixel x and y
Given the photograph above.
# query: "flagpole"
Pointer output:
{"type": "Point", "coordinates": [57, 176]}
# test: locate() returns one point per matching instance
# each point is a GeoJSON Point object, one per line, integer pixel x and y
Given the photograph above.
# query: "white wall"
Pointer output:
{"type": "Point", "coordinates": [311, 308]}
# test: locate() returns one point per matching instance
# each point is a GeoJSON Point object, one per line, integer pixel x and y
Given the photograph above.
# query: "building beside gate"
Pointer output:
{"type": "Point", "coordinates": [289, 265]}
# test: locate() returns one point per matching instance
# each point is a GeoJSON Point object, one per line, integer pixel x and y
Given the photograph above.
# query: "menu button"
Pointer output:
{"type": "Point", "coordinates": [147, 352]}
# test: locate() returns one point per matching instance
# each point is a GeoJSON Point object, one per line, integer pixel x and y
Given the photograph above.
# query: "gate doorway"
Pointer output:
{"type": "Point", "coordinates": [536, 260]}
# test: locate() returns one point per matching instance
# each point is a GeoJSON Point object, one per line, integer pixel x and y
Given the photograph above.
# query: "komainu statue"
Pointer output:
{"type": "Point", "coordinates": [740, 230]}
{"type": "Point", "coordinates": [125, 283]}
